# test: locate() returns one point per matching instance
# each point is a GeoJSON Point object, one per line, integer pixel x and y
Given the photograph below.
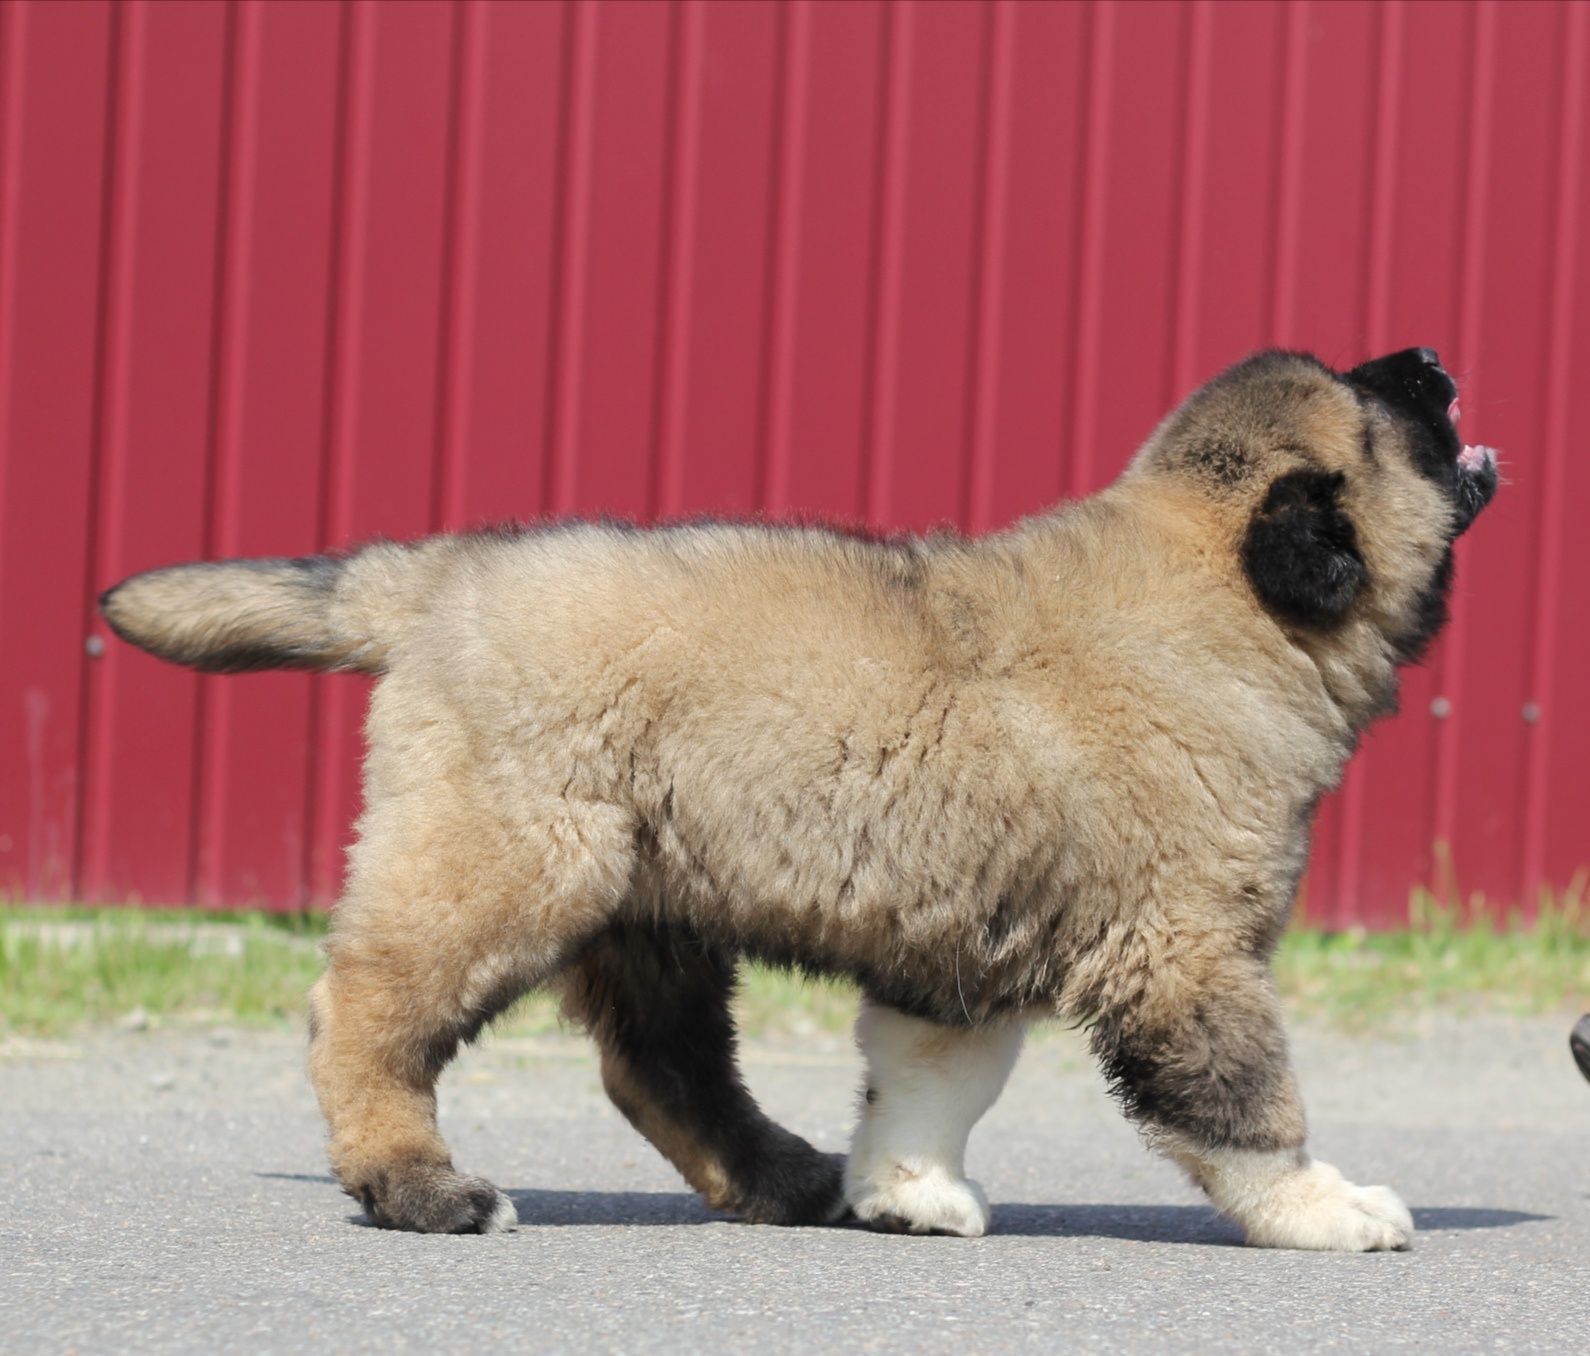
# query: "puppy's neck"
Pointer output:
{"type": "Point", "coordinates": [1153, 564]}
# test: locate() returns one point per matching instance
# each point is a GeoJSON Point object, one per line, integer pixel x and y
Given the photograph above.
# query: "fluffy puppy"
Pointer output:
{"type": "Point", "coordinates": [1066, 770]}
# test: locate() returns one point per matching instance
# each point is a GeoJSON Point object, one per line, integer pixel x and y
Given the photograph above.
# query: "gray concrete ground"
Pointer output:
{"type": "Point", "coordinates": [165, 1191]}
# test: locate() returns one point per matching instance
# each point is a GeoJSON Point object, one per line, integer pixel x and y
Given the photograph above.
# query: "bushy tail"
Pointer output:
{"type": "Point", "coordinates": [237, 616]}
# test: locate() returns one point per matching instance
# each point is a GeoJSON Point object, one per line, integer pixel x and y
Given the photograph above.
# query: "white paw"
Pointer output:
{"type": "Point", "coordinates": [502, 1218]}
{"type": "Point", "coordinates": [1316, 1208]}
{"type": "Point", "coordinates": [919, 1200]}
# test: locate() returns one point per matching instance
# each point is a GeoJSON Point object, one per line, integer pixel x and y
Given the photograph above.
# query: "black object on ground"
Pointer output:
{"type": "Point", "coordinates": [1579, 1043]}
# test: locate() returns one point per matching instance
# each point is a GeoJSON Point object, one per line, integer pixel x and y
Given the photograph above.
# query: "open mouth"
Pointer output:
{"type": "Point", "coordinates": [1473, 456]}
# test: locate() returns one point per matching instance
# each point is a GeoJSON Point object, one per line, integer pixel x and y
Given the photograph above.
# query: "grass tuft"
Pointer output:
{"type": "Point", "coordinates": [1449, 957]}
{"type": "Point", "coordinates": [66, 970]}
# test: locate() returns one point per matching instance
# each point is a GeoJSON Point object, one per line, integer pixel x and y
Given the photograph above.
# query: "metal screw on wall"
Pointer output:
{"type": "Point", "coordinates": [1440, 708]}
{"type": "Point", "coordinates": [1531, 712]}
{"type": "Point", "coordinates": [94, 646]}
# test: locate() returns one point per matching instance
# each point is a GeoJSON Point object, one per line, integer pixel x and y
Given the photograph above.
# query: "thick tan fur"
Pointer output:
{"type": "Point", "coordinates": [1063, 770]}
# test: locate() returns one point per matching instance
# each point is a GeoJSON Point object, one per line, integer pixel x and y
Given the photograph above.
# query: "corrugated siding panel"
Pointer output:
{"type": "Point", "coordinates": [275, 277]}
{"type": "Point", "coordinates": [57, 103]}
{"type": "Point", "coordinates": [155, 388]}
{"type": "Point", "coordinates": [1555, 814]}
{"type": "Point", "coordinates": [268, 421]}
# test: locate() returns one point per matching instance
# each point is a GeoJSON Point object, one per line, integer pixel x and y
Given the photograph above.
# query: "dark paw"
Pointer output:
{"type": "Point", "coordinates": [433, 1199]}
{"type": "Point", "coordinates": [796, 1185]}
{"type": "Point", "coordinates": [899, 1224]}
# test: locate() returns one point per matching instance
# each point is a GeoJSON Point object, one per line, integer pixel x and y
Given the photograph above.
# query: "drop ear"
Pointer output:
{"type": "Point", "coordinates": [1301, 552]}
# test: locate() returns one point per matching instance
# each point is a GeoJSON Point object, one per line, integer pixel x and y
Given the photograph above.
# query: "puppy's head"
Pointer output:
{"type": "Point", "coordinates": [1343, 491]}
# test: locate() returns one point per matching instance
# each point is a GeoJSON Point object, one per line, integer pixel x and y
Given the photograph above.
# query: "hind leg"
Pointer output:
{"type": "Point", "coordinates": [438, 932]}
{"type": "Point", "coordinates": [657, 1002]}
{"type": "Point", "coordinates": [380, 1036]}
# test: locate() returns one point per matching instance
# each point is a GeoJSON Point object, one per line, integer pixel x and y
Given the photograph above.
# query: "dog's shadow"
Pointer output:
{"type": "Point", "coordinates": [539, 1207]}
{"type": "Point", "coordinates": [1199, 1224]}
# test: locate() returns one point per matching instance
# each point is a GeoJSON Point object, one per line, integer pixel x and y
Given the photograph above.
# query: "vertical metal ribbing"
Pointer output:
{"type": "Point", "coordinates": [1090, 247]}
{"type": "Point", "coordinates": [1470, 295]}
{"type": "Point", "coordinates": [1194, 181]}
{"type": "Point", "coordinates": [347, 230]}
{"type": "Point", "coordinates": [1563, 305]}
{"type": "Point", "coordinates": [988, 278]}
{"type": "Point", "coordinates": [888, 275]}
{"type": "Point", "coordinates": [786, 144]}
{"type": "Point", "coordinates": [235, 177]}
{"type": "Point", "coordinates": [675, 273]}
{"type": "Point", "coordinates": [1289, 182]}
{"type": "Point", "coordinates": [110, 414]}
{"type": "Point", "coordinates": [460, 261]}
{"type": "Point", "coordinates": [571, 252]}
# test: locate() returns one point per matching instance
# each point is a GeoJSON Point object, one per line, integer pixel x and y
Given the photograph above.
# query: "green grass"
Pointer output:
{"type": "Point", "coordinates": [1446, 958]}
{"type": "Point", "coordinates": [69, 970]}
{"type": "Point", "coordinates": [65, 969]}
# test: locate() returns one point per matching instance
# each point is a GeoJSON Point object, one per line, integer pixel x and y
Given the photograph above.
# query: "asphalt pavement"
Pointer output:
{"type": "Point", "coordinates": [164, 1191]}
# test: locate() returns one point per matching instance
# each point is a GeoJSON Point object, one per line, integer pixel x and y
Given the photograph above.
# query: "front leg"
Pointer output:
{"type": "Point", "coordinates": [927, 1086]}
{"type": "Point", "coordinates": [1203, 1067]}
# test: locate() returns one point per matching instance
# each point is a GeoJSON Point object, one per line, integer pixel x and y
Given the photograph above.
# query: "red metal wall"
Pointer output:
{"type": "Point", "coordinates": [275, 277]}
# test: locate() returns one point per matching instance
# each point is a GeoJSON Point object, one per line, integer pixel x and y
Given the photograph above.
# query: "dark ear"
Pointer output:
{"type": "Point", "coordinates": [1301, 553]}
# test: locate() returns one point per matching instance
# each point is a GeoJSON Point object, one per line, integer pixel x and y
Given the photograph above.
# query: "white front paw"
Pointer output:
{"type": "Point", "coordinates": [918, 1199]}
{"type": "Point", "coordinates": [1316, 1208]}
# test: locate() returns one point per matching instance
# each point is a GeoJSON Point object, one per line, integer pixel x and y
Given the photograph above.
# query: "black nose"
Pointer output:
{"type": "Point", "coordinates": [1429, 356]}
